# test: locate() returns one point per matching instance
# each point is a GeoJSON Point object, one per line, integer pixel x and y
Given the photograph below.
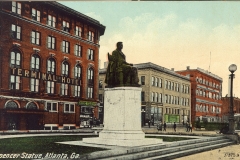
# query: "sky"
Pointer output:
{"type": "Point", "coordinates": [171, 34]}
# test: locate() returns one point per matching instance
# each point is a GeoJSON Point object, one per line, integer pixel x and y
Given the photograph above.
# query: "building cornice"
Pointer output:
{"type": "Point", "coordinates": [150, 65]}
{"type": "Point", "coordinates": [208, 102]}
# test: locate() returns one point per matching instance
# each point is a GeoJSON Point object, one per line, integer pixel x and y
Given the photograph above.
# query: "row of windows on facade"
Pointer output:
{"type": "Point", "coordinates": [176, 111]}
{"type": "Point", "coordinates": [49, 106]}
{"type": "Point", "coordinates": [51, 42]}
{"type": "Point", "coordinates": [51, 21]}
{"type": "Point", "coordinates": [203, 93]}
{"type": "Point", "coordinates": [157, 82]}
{"type": "Point", "coordinates": [206, 82]}
{"type": "Point", "coordinates": [207, 108]}
{"type": "Point", "coordinates": [51, 69]}
{"type": "Point", "coordinates": [170, 99]}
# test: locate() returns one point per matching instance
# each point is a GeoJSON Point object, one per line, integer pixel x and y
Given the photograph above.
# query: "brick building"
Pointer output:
{"type": "Point", "coordinates": [166, 95]}
{"type": "Point", "coordinates": [206, 93]}
{"type": "Point", "coordinates": [49, 66]}
{"type": "Point", "coordinates": [226, 107]}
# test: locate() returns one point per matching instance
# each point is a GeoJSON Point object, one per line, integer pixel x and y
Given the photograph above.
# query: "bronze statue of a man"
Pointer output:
{"type": "Point", "coordinates": [119, 72]}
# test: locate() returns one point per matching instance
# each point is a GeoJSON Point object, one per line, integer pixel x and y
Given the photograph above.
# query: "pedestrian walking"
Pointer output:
{"type": "Point", "coordinates": [174, 126]}
{"type": "Point", "coordinates": [164, 126]}
{"type": "Point", "coordinates": [187, 127]}
{"type": "Point", "coordinates": [190, 127]}
{"type": "Point", "coordinates": [149, 123]}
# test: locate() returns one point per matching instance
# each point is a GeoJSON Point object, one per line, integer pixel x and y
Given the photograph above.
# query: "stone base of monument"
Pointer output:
{"type": "Point", "coordinates": [122, 119]}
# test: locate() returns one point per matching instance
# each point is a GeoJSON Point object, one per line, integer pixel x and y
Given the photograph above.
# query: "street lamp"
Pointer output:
{"type": "Point", "coordinates": [232, 68]}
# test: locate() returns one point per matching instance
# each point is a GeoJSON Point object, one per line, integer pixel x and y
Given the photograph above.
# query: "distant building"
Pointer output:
{"type": "Point", "coordinates": [166, 95]}
{"type": "Point", "coordinates": [226, 107]}
{"type": "Point", "coordinates": [206, 95]}
{"type": "Point", "coordinates": [49, 66]}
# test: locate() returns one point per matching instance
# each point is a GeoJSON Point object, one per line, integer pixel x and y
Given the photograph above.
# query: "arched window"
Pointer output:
{"type": "Point", "coordinates": [51, 66]}
{"type": "Point", "coordinates": [35, 63]}
{"type": "Point", "coordinates": [65, 68]}
{"type": "Point", "coordinates": [15, 63]}
{"type": "Point", "coordinates": [90, 76]}
{"type": "Point", "coordinates": [31, 105]}
{"type": "Point", "coordinates": [15, 59]}
{"type": "Point", "coordinates": [11, 105]}
{"type": "Point", "coordinates": [78, 71]}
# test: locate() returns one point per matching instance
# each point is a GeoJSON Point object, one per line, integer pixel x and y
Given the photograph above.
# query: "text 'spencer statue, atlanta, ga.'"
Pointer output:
{"type": "Point", "coordinates": [119, 72]}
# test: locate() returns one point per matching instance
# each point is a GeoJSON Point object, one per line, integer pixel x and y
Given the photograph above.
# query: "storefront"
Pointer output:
{"type": "Point", "coordinates": [87, 114]}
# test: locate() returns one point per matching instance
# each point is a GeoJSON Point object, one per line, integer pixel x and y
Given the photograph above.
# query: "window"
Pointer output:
{"type": "Point", "coordinates": [78, 71]}
{"type": "Point", "coordinates": [78, 31]}
{"type": "Point", "coordinates": [36, 14]}
{"type": "Point", "coordinates": [35, 65]}
{"type": "Point", "coordinates": [52, 107]}
{"type": "Point", "coordinates": [50, 87]}
{"type": "Point", "coordinates": [142, 80]}
{"type": "Point", "coordinates": [65, 68]}
{"type": "Point", "coordinates": [15, 82]}
{"type": "Point", "coordinates": [35, 37]}
{"type": "Point", "coordinates": [169, 85]}
{"type": "Point", "coordinates": [90, 76]}
{"type": "Point", "coordinates": [16, 7]}
{"type": "Point", "coordinates": [90, 54]}
{"type": "Point", "coordinates": [78, 50]}
{"type": "Point", "coordinates": [15, 59]}
{"type": "Point", "coordinates": [65, 26]}
{"type": "Point", "coordinates": [64, 89]}
{"type": "Point", "coordinates": [166, 82]}
{"type": "Point", "coordinates": [15, 63]}
{"type": "Point", "coordinates": [160, 98]}
{"type": "Point", "coordinates": [187, 102]}
{"type": "Point", "coordinates": [172, 85]}
{"type": "Point", "coordinates": [69, 108]}
{"type": "Point", "coordinates": [152, 97]}
{"type": "Point", "coordinates": [51, 70]}
{"type": "Point", "coordinates": [156, 97]}
{"type": "Point", "coordinates": [166, 98]}
{"type": "Point", "coordinates": [142, 96]}
{"type": "Point", "coordinates": [153, 81]}
{"type": "Point", "coordinates": [16, 32]}
{"type": "Point", "coordinates": [156, 81]}
{"type": "Point", "coordinates": [90, 92]}
{"type": "Point", "coordinates": [34, 85]}
{"type": "Point", "coordinates": [160, 83]}
{"type": "Point", "coordinates": [51, 21]}
{"type": "Point", "coordinates": [65, 46]}
{"type": "Point", "coordinates": [90, 36]}
{"type": "Point", "coordinates": [77, 75]}
{"type": "Point", "coordinates": [51, 42]}
{"type": "Point", "coordinates": [51, 66]}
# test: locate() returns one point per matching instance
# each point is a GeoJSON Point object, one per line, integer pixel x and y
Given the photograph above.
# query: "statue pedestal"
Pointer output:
{"type": "Point", "coordinates": [122, 119]}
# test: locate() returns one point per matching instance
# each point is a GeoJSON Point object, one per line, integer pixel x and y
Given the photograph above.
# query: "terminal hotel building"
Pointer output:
{"type": "Point", "coordinates": [49, 57]}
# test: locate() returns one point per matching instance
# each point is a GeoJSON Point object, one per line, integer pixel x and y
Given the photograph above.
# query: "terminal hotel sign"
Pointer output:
{"type": "Point", "coordinates": [44, 76]}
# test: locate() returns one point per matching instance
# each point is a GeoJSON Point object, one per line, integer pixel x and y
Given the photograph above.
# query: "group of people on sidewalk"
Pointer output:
{"type": "Point", "coordinates": [162, 126]}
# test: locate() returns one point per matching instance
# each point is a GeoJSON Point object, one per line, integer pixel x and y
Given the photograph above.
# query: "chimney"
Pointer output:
{"type": "Point", "coordinates": [105, 64]}
{"type": "Point", "coordinates": [172, 69]}
{"type": "Point", "coordinates": [188, 67]}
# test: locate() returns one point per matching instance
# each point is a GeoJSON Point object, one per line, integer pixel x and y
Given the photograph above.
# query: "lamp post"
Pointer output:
{"type": "Point", "coordinates": [232, 68]}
